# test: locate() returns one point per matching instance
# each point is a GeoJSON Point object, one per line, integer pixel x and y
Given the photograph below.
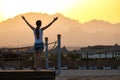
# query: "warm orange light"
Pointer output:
{"type": "Point", "coordinates": [82, 10]}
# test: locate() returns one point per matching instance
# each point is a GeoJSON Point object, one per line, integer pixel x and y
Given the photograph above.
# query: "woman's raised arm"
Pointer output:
{"type": "Point", "coordinates": [27, 23]}
{"type": "Point", "coordinates": [50, 23]}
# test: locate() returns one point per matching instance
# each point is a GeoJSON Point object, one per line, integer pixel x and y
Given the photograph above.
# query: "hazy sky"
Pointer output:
{"type": "Point", "coordinates": [82, 10]}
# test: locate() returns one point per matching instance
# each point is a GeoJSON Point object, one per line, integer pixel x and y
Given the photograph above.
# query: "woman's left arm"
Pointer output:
{"type": "Point", "coordinates": [50, 23]}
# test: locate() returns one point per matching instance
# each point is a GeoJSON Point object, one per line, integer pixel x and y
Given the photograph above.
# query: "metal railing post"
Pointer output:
{"type": "Point", "coordinates": [59, 53]}
{"type": "Point", "coordinates": [46, 52]}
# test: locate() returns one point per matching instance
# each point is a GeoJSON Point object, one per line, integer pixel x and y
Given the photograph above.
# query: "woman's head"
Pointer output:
{"type": "Point", "coordinates": [38, 23]}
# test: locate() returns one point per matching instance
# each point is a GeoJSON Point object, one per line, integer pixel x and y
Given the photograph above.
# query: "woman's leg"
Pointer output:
{"type": "Point", "coordinates": [35, 64]}
{"type": "Point", "coordinates": [37, 59]}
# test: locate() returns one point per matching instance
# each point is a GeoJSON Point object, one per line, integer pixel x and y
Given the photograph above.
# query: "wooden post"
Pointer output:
{"type": "Point", "coordinates": [46, 51]}
{"type": "Point", "coordinates": [59, 54]}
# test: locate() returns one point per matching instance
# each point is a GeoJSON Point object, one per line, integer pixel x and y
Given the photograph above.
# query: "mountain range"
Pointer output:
{"type": "Point", "coordinates": [14, 32]}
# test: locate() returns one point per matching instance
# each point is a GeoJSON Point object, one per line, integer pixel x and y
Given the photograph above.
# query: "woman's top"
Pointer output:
{"type": "Point", "coordinates": [40, 39]}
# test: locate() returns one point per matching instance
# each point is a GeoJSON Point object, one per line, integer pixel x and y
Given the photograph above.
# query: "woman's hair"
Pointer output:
{"type": "Point", "coordinates": [38, 23]}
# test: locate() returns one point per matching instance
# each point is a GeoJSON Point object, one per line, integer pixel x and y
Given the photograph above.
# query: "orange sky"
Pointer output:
{"type": "Point", "coordinates": [81, 10]}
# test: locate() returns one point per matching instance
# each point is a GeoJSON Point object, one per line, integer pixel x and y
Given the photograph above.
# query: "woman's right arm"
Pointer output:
{"type": "Point", "coordinates": [27, 23]}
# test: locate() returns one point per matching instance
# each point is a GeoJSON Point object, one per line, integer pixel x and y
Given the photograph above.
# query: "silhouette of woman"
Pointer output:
{"type": "Point", "coordinates": [38, 35]}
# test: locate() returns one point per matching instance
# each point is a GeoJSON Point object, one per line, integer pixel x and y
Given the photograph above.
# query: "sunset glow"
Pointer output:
{"type": "Point", "coordinates": [11, 8]}
{"type": "Point", "coordinates": [96, 22]}
{"type": "Point", "coordinates": [81, 10]}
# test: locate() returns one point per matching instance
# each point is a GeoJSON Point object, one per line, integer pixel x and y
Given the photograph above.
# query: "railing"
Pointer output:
{"type": "Point", "coordinates": [58, 52]}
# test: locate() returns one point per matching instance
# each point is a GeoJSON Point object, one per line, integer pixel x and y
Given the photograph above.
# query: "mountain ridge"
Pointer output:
{"type": "Point", "coordinates": [73, 32]}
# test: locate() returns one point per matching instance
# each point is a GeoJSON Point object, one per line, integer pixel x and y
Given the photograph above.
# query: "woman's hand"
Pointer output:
{"type": "Point", "coordinates": [55, 18]}
{"type": "Point", "coordinates": [23, 17]}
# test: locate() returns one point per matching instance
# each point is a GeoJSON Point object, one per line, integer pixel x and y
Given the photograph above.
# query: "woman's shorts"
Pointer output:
{"type": "Point", "coordinates": [38, 46]}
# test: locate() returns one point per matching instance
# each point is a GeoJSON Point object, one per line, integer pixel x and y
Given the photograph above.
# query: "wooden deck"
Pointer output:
{"type": "Point", "coordinates": [27, 75]}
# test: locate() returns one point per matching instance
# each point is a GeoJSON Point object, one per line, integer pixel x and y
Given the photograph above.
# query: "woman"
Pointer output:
{"type": "Point", "coordinates": [38, 35]}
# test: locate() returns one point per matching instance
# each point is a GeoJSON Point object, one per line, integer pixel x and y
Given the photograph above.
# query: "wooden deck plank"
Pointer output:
{"type": "Point", "coordinates": [27, 75]}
